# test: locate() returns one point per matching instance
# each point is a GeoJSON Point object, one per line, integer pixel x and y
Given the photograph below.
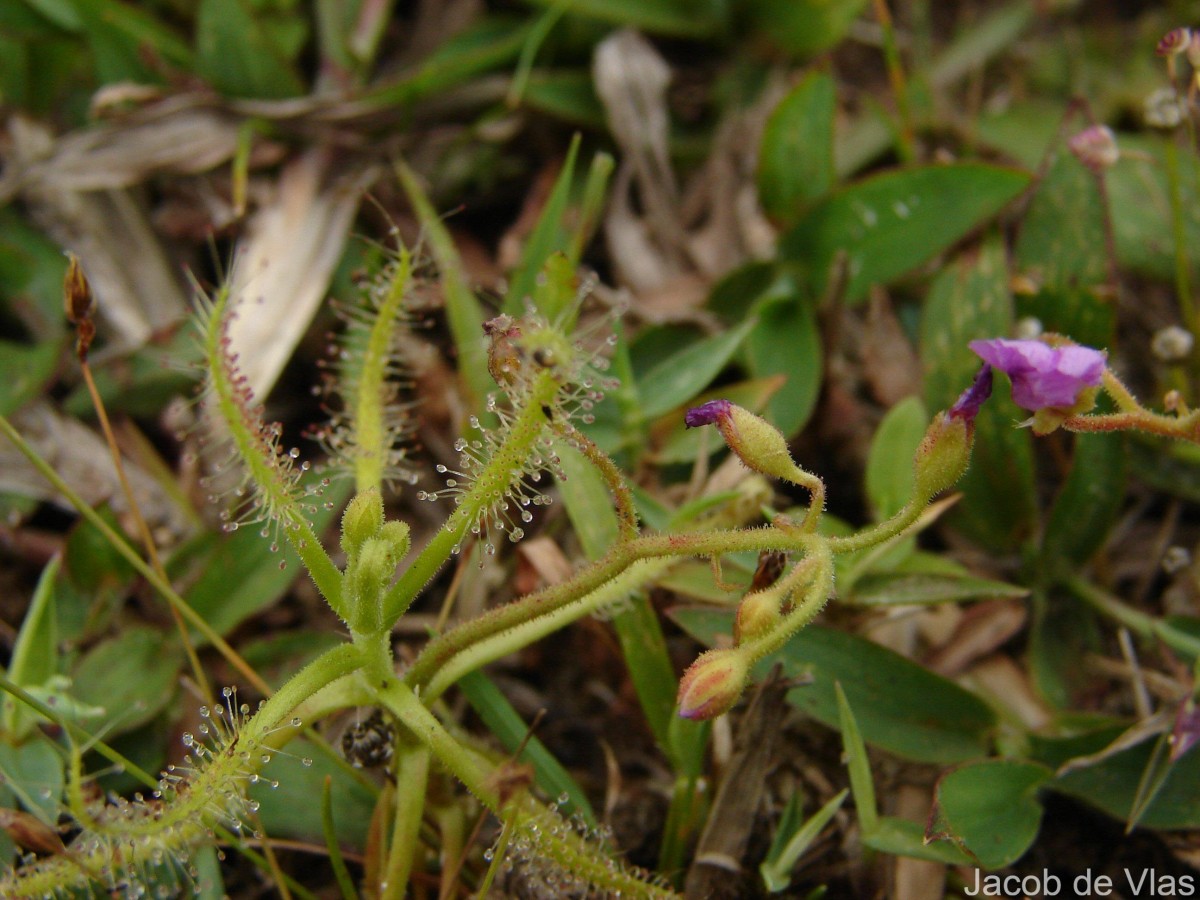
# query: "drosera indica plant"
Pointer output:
{"type": "Point", "coordinates": [547, 378]}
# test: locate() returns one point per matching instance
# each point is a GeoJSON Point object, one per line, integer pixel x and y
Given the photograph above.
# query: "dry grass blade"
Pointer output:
{"type": "Point", "coordinates": [283, 268]}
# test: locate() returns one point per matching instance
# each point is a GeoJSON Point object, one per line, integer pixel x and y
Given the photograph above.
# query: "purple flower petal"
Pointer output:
{"type": "Point", "coordinates": [707, 413]}
{"type": "Point", "coordinates": [1043, 376]}
{"type": "Point", "coordinates": [969, 401]}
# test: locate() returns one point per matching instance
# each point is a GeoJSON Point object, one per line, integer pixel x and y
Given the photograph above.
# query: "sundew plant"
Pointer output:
{"type": "Point", "coordinates": [596, 474]}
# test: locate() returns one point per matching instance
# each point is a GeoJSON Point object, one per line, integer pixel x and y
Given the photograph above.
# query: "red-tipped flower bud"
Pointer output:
{"type": "Point", "coordinates": [712, 684]}
{"type": "Point", "coordinates": [756, 441]}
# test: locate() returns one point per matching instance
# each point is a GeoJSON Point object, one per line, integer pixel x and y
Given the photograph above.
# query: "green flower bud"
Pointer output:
{"type": "Point", "coordinates": [367, 577]}
{"type": "Point", "coordinates": [757, 614]}
{"type": "Point", "coordinates": [361, 521]}
{"type": "Point", "coordinates": [943, 454]}
{"type": "Point", "coordinates": [757, 442]}
{"type": "Point", "coordinates": [712, 684]}
{"type": "Point", "coordinates": [396, 535]}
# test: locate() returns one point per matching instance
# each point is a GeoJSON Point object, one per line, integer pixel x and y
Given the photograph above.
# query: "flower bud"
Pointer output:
{"type": "Point", "coordinates": [79, 304]}
{"type": "Point", "coordinates": [396, 537]}
{"type": "Point", "coordinates": [943, 454]}
{"type": "Point", "coordinates": [757, 442]}
{"type": "Point", "coordinates": [366, 577]}
{"type": "Point", "coordinates": [712, 684]}
{"type": "Point", "coordinates": [757, 614]}
{"type": "Point", "coordinates": [361, 521]}
{"type": "Point", "coordinates": [1095, 147]}
{"type": "Point", "coordinates": [1174, 42]}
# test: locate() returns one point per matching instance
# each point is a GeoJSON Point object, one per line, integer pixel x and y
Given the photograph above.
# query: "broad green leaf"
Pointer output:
{"type": "Point", "coordinates": [34, 772]}
{"type": "Point", "coordinates": [795, 159]}
{"type": "Point", "coordinates": [565, 95]}
{"type": "Point", "coordinates": [1088, 504]}
{"type": "Point", "coordinates": [900, 837]}
{"type": "Point", "coordinates": [513, 732]}
{"type": "Point", "coordinates": [239, 55]}
{"type": "Point", "coordinates": [1172, 467]}
{"type": "Point", "coordinates": [900, 706]}
{"type": "Point", "coordinates": [909, 589]}
{"type": "Point", "coordinates": [890, 459]}
{"type": "Point", "coordinates": [787, 342]}
{"type": "Point", "coordinates": [1112, 786]}
{"type": "Point", "coordinates": [24, 370]}
{"type": "Point", "coordinates": [676, 18]}
{"type": "Point", "coordinates": [1063, 633]}
{"type": "Point", "coordinates": [34, 655]}
{"type": "Point", "coordinates": [132, 675]}
{"type": "Point", "coordinates": [804, 27]}
{"type": "Point", "coordinates": [892, 223]}
{"type": "Point", "coordinates": [243, 576]}
{"type": "Point", "coordinates": [990, 809]}
{"type": "Point", "coordinates": [968, 301]}
{"type": "Point", "coordinates": [291, 809]}
{"type": "Point", "coordinates": [683, 375]}
{"type": "Point", "coordinates": [1140, 206]}
{"type": "Point", "coordinates": [1062, 249]}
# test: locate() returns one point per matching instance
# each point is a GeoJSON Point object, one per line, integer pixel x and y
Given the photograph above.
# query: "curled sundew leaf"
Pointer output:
{"type": "Point", "coordinates": [268, 478]}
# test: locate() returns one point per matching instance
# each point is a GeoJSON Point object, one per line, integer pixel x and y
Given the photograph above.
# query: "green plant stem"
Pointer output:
{"type": "Point", "coordinates": [488, 489]}
{"type": "Point", "coordinates": [613, 478]}
{"type": "Point", "coordinates": [554, 843]}
{"type": "Point", "coordinates": [1140, 623]}
{"type": "Point", "coordinates": [480, 653]}
{"type": "Point", "coordinates": [877, 534]}
{"type": "Point", "coordinates": [412, 777]}
{"type": "Point", "coordinates": [1183, 275]}
{"type": "Point", "coordinates": [133, 557]}
{"type": "Point", "coordinates": [591, 578]}
{"type": "Point", "coordinates": [1186, 428]}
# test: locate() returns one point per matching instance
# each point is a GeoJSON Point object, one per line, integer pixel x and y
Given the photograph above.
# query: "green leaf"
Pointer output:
{"type": "Point", "coordinates": [890, 224]}
{"type": "Point", "coordinates": [132, 675]}
{"type": "Point", "coordinates": [804, 27]}
{"type": "Point", "coordinates": [900, 837]}
{"type": "Point", "coordinates": [1172, 467]}
{"type": "Point", "coordinates": [548, 237]}
{"type": "Point", "coordinates": [243, 576]}
{"type": "Point", "coordinates": [900, 706]}
{"type": "Point", "coordinates": [910, 589]}
{"type": "Point", "coordinates": [1112, 786]}
{"type": "Point", "coordinates": [990, 809]}
{"type": "Point", "coordinates": [793, 837]}
{"type": "Point", "coordinates": [512, 731]}
{"type": "Point", "coordinates": [463, 309]}
{"type": "Point", "coordinates": [1062, 248]}
{"type": "Point", "coordinates": [677, 18]}
{"type": "Point", "coordinates": [787, 342]}
{"type": "Point", "coordinates": [34, 772]}
{"type": "Point", "coordinates": [1089, 503]}
{"type": "Point", "coordinates": [682, 375]}
{"type": "Point", "coordinates": [239, 55]}
{"type": "Point", "coordinates": [795, 159]}
{"type": "Point", "coordinates": [969, 301]}
{"type": "Point", "coordinates": [34, 655]}
{"type": "Point", "coordinates": [857, 764]}
{"type": "Point", "coordinates": [890, 459]}
{"type": "Point", "coordinates": [290, 809]}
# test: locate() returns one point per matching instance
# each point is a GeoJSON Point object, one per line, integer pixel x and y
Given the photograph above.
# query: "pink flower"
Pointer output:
{"type": "Point", "coordinates": [1044, 376]}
